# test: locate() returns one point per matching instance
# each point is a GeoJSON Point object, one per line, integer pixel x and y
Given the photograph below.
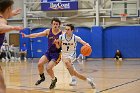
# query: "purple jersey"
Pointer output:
{"type": "Point", "coordinates": [52, 47]}
{"type": "Point", "coordinates": [1, 37]}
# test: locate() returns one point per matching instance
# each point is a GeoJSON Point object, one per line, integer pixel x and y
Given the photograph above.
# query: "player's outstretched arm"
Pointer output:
{"type": "Point", "coordinates": [34, 35]}
{"type": "Point", "coordinates": [8, 28]}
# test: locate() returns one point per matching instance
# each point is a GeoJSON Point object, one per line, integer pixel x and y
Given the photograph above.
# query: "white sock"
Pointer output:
{"type": "Point", "coordinates": [53, 78]}
{"type": "Point", "coordinates": [89, 80]}
{"type": "Point", "coordinates": [73, 77]}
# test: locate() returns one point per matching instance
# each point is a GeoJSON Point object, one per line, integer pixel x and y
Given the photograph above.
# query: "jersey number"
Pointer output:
{"type": "Point", "coordinates": [67, 48]}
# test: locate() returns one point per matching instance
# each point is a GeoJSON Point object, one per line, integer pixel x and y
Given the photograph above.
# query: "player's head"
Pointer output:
{"type": "Point", "coordinates": [117, 51]}
{"type": "Point", "coordinates": [69, 28]}
{"type": "Point", "coordinates": [6, 7]}
{"type": "Point", "coordinates": [24, 44]}
{"type": "Point", "coordinates": [55, 23]}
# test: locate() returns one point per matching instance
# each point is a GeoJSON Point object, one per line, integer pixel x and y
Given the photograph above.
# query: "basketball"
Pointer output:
{"type": "Point", "coordinates": [86, 50]}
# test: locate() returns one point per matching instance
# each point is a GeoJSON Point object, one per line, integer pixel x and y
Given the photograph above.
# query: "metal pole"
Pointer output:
{"type": "Point", "coordinates": [97, 13]}
{"type": "Point", "coordinates": [25, 18]}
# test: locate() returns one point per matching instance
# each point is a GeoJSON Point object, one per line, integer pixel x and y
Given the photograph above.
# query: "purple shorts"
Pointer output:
{"type": "Point", "coordinates": [53, 56]}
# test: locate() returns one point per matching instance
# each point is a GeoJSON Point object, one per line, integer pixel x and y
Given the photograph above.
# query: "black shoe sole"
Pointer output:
{"type": "Point", "coordinates": [39, 82]}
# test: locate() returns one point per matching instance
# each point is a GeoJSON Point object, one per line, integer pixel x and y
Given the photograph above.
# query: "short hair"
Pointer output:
{"type": "Point", "coordinates": [56, 20]}
{"type": "Point", "coordinates": [4, 4]}
{"type": "Point", "coordinates": [71, 26]}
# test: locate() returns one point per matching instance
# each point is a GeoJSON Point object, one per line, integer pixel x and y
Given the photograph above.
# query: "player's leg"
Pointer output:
{"type": "Point", "coordinates": [6, 52]}
{"type": "Point", "coordinates": [73, 78]}
{"type": "Point", "coordinates": [25, 55]}
{"type": "Point", "coordinates": [73, 71]}
{"type": "Point", "coordinates": [120, 59]}
{"type": "Point", "coordinates": [2, 84]}
{"type": "Point", "coordinates": [55, 60]}
{"type": "Point", "coordinates": [117, 57]}
{"type": "Point", "coordinates": [41, 63]}
{"type": "Point", "coordinates": [50, 71]}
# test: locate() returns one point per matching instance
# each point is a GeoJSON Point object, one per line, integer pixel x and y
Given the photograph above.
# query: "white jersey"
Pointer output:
{"type": "Point", "coordinates": [69, 45]}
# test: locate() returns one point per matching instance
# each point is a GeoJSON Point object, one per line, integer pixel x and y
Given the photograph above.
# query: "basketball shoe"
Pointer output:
{"type": "Point", "coordinates": [92, 84]}
{"type": "Point", "coordinates": [53, 83]}
{"type": "Point", "coordinates": [41, 80]}
{"type": "Point", "coordinates": [73, 82]}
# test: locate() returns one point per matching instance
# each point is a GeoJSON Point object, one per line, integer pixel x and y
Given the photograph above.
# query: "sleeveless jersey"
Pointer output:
{"type": "Point", "coordinates": [1, 36]}
{"type": "Point", "coordinates": [69, 46]}
{"type": "Point", "coordinates": [52, 47]}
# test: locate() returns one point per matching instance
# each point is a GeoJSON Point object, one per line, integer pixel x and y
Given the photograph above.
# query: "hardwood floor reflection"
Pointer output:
{"type": "Point", "coordinates": [109, 76]}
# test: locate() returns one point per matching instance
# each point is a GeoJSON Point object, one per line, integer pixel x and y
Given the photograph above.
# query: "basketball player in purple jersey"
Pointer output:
{"type": "Point", "coordinates": [5, 13]}
{"type": "Point", "coordinates": [52, 55]}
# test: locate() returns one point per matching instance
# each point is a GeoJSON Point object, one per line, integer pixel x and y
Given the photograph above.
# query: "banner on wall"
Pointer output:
{"type": "Point", "coordinates": [55, 5]}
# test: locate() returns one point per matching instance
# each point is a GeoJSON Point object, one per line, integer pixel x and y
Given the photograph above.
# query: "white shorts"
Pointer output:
{"type": "Point", "coordinates": [71, 56]}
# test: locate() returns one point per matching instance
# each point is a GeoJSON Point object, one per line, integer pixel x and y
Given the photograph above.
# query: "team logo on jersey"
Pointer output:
{"type": "Point", "coordinates": [68, 43]}
{"type": "Point", "coordinates": [53, 37]}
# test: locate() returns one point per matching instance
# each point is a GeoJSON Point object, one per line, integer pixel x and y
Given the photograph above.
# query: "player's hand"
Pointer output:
{"type": "Point", "coordinates": [23, 35]}
{"type": "Point", "coordinates": [16, 12]}
{"type": "Point", "coordinates": [56, 41]}
{"type": "Point", "coordinates": [18, 28]}
{"type": "Point", "coordinates": [87, 44]}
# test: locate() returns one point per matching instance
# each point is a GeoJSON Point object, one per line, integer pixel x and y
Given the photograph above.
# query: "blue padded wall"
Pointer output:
{"type": "Point", "coordinates": [124, 38]}
{"type": "Point", "coordinates": [104, 42]}
{"type": "Point", "coordinates": [85, 34]}
{"type": "Point", "coordinates": [26, 40]}
{"type": "Point", "coordinates": [39, 44]}
{"type": "Point", "coordinates": [97, 42]}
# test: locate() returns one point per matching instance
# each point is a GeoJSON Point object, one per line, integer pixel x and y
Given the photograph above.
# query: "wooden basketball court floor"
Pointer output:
{"type": "Point", "coordinates": [109, 76]}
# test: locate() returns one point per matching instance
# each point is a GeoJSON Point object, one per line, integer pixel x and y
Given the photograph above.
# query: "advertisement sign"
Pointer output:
{"type": "Point", "coordinates": [62, 5]}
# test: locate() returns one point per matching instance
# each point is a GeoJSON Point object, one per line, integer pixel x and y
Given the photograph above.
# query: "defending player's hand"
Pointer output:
{"type": "Point", "coordinates": [56, 41]}
{"type": "Point", "coordinates": [23, 35]}
{"type": "Point", "coordinates": [16, 12]}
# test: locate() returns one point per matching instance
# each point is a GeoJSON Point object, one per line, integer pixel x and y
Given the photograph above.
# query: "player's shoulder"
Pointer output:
{"type": "Point", "coordinates": [76, 36]}
{"type": "Point", "coordinates": [47, 31]}
{"type": "Point", "coordinates": [62, 37]}
{"type": "Point", "coordinates": [63, 34]}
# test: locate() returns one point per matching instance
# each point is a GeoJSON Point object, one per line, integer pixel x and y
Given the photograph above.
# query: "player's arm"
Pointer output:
{"type": "Point", "coordinates": [6, 28]}
{"type": "Point", "coordinates": [58, 42]}
{"type": "Point", "coordinates": [34, 35]}
{"type": "Point", "coordinates": [81, 41]}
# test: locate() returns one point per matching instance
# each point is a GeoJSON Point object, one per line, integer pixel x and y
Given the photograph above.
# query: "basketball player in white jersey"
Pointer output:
{"type": "Point", "coordinates": [68, 42]}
